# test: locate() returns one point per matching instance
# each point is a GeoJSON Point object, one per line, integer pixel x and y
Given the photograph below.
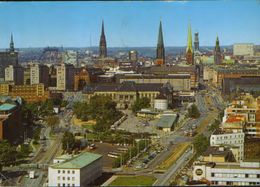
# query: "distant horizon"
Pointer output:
{"type": "Point", "coordinates": [128, 23]}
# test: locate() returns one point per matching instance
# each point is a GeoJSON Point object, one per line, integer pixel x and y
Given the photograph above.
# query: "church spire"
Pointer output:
{"type": "Point", "coordinates": [160, 53]}
{"type": "Point", "coordinates": [12, 44]}
{"type": "Point", "coordinates": [189, 50]}
{"type": "Point", "coordinates": [217, 53]}
{"type": "Point", "coordinates": [102, 43]}
{"type": "Point", "coordinates": [189, 44]}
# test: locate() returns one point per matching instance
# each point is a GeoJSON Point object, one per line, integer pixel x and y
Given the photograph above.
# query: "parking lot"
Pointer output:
{"type": "Point", "coordinates": [104, 149]}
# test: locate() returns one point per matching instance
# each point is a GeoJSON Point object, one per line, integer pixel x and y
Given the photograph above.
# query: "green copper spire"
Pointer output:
{"type": "Point", "coordinates": [160, 53]}
{"type": "Point", "coordinates": [160, 36]}
{"type": "Point", "coordinates": [189, 45]}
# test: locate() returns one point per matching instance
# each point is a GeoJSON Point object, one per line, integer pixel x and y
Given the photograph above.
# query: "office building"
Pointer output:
{"type": "Point", "coordinates": [227, 173]}
{"type": "Point", "coordinates": [80, 170]}
{"type": "Point", "coordinates": [7, 58]}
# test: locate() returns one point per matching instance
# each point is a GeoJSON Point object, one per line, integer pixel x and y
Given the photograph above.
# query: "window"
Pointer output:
{"type": "Point", "coordinates": [73, 178]}
{"type": "Point", "coordinates": [63, 185]}
{"type": "Point", "coordinates": [63, 171]}
{"type": "Point", "coordinates": [68, 171]}
{"type": "Point", "coordinates": [258, 176]}
{"type": "Point", "coordinates": [68, 185]}
{"type": "Point", "coordinates": [58, 184]}
{"type": "Point", "coordinates": [246, 175]}
{"type": "Point", "coordinates": [68, 178]}
{"type": "Point", "coordinates": [63, 178]}
{"type": "Point", "coordinates": [212, 175]}
{"type": "Point", "coordinates": [73, 172]}
{"type": "Point", "coordinates": [73, 185]}
{"type": "Point", "coordinates": [58, 171]}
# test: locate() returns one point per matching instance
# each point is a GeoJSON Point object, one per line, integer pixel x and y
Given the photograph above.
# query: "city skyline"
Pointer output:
{"type": "Point", "coordinates": [78, 24]}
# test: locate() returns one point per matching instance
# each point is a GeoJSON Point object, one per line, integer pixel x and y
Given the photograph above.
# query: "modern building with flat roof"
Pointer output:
{"type": "Point", "coordinates": [167, 122]}
{"type": "Point", "coordinates": [79, 170]}
{"type": "Point", "coordinates": [227, 173]}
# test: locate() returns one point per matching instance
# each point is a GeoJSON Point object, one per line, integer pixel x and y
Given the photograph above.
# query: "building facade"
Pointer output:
{"type": "Point", "coordinates": [10, 121]}
{"type": "Point", "coordinates": [243, 49]}
{"type": "Point", "coordinates": [227, 173]}
{"type": "Point", "coordinates": [80, 170]}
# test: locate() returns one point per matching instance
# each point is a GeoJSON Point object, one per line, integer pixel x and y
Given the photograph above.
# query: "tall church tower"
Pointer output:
{"type": "Point", "coordinates": [102, 43]}
{"type": "Point", "coordinates": [160, 53]}
{"type": "Point", "coordinates": [217, 53]}
{"type": "Point", "coordinates": [189, 50]}
{"type": "Point", "coordinates": [196, 42]}
{"type": "Point", "coordinates": [11, 44]}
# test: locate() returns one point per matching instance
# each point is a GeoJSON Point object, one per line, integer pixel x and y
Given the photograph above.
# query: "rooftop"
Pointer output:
{"type": "Point", "coordinates": [78, 161]}
{"type": "Point", "coordinates": [235, 118]}
{"type": "Point", "coordinates": [166, 121]}
{"type": "Point", "coordinates": [7, 107]}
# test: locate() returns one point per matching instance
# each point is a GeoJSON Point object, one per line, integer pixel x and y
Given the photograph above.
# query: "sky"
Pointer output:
{"type": "Point", "coordinates": [128, 24]}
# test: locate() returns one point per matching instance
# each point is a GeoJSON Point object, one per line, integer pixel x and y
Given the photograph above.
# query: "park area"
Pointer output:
{"type": "Point", "coordinates": [133, 181]}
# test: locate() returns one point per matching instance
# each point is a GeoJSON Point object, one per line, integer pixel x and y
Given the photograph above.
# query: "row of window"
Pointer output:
{"type": "Point", "coordinates": [68, 171]}
{"type": "Point", "coordinates": [233, 175]}
{"type": "Point", "coordinates": [64, 178]}
{"type": "Point", "coordinates": [64, 185]}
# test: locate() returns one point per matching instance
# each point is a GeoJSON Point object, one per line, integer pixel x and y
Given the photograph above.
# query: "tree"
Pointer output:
{"type": "Point", "coordinates": [140, 103]}
{"type": "Point", "coordinates": [68, 141]}
{"type": "Point", "coordinates": [193, 111]}
{"type": "Point", "coordinates": [201, 143]}
{"type": "Point", "coordinates": [8, 154]}
{"type": "Point", "coordinates": [52, 121]}
{"type": "Point", "coordinates": [214, 125]}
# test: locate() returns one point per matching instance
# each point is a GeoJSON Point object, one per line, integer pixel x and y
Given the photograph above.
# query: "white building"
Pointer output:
{"type": "Point", "coordinates": [9, 73]}
{"type": "Point", "coordinates": [227, 173]}
{"type": "Point", "coordinates": [231, 139]}
{"type": "Point", "coordinates": [79, 170]}
{"type": "Point", "coordinates": [70, 57]}
{"type": "Point", "coordinates": [243, 49]}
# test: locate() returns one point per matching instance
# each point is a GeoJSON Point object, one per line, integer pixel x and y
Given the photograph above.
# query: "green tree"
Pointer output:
{"type": "Point", "coordinates": [200, 143]}
{"type": "Point", "coordinates": [214, 125]}
{"type": "Point", "coordinates": [52, 121]}
{"type": "Point", "coordinates": [68, 141]}
{"type": "Point", "coordinates": [8, 154]}
{"type": "Point", "coordinates": [193, 111]}
{"type": "Point", "coordinates": [140, 103]}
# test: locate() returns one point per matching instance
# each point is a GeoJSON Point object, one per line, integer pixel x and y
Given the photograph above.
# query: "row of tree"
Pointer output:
{"type": "Point", "coordinates": [132, 152]}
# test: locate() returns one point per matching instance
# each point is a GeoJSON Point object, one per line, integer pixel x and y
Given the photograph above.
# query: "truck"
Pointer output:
{"type": "Point", "coordinates": [32, 174]}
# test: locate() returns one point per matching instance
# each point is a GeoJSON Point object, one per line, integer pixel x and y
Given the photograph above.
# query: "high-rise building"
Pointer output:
{"type": "Point", "coordinates": [61, 77]}
{"type": "Point", "coordinates": [39, 74]}
{"type": "Point", "coordinates": [14, 74]}
{"type": "Point", "coordinates": [196, 42]}
{"type": "Point", "coordinates": [217, 53]}
{"type": "Point", "coordinates": [103, 43]}
{"type": "Point", "coordinates": [189, 50]}
{"type": "Point", "coordinates": [160, 52]}
{"type": "Point", "coordinates": [9, 57]}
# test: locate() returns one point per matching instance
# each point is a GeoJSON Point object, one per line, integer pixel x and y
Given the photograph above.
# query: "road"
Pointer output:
{"type": "Point", "coordinates": [164, 178]}
{"type": "Point", "coordinates": [51, 148]}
